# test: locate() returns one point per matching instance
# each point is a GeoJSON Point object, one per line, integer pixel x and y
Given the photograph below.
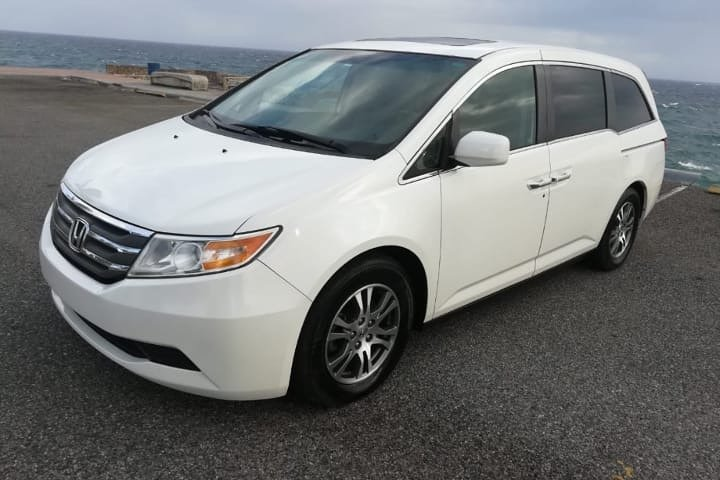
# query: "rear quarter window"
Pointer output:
{"type": "Point", "coordinates": [631, 108]}
{"type": "Point", "coordinates": [577, 101]}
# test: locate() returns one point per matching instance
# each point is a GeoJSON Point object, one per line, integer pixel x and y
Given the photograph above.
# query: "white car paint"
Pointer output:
{"type": "Point", "coordinates": [222, 322]}
{"type": "Point", "coordinates": [490, 242]}
{"type": "Point", "coordinates": [474, 230]}
{"type": "Point", "coordinates": [209, 184]}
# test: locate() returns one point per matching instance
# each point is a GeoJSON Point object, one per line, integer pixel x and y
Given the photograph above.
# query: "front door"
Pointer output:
{"type": "Point", "coordinates": [493, 217]}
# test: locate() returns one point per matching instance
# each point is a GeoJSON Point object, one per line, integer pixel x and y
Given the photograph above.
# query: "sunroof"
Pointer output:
{"type": "Point", "coordinates": [455, 42]}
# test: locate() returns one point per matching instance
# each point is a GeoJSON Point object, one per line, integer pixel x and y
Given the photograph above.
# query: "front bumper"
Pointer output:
{"type": "Point", "coordinates": [239, 328]}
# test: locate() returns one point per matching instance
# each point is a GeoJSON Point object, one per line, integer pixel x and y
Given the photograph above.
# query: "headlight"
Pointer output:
{"type": "Point", "coordinates": [171, 255]}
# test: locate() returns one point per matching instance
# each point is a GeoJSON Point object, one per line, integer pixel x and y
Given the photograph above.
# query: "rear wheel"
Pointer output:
{"type": "Point", "coordinates": [620, 233]}
{"type": "Point", "coordinates": [354, 334]}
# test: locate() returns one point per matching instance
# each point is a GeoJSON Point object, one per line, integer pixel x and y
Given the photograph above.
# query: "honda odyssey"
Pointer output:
{"type": "Point", "coordinates": [289, 234]}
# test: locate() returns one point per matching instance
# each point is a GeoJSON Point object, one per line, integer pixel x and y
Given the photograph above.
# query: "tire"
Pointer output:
{"type": "Point", "coordinates": [333, 362]}
{"type": "Point", "coordinates": [624, 221]}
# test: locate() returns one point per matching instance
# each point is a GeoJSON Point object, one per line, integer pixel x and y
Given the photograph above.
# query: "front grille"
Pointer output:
{"type": "Point", "coordinates": [105, 247]}
{"type": "Point", "coordinates": [172, 357]}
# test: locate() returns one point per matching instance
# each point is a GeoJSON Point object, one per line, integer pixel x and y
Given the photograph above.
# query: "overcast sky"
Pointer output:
{"type": "Point", "coordinates": [669, 39]}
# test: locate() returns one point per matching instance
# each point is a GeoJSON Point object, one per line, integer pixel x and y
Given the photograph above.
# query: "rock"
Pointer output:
{"type": "Point", "coordinates": [179, 80]}
{"type": "Point", "coordinates": [231, 81]}
{"type": "Point", "coordinates": [714, 189]}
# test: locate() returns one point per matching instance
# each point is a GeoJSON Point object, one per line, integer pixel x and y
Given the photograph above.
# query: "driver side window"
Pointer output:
{"type": "Point", "coordinates": [505, 104]}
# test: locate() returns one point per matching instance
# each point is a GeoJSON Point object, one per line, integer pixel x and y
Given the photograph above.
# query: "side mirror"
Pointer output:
{"type": "Point", "coordinates": [481, 149]}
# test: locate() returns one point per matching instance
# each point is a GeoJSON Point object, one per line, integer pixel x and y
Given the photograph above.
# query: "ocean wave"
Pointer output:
{"type": "Point", "coordinates": [669, 105]}
{"type": "Point", "coordinates": [694, 166]}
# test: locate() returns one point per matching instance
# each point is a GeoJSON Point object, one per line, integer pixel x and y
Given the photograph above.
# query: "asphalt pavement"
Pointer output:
{"type": "Point", "coordinates": [574, 374]}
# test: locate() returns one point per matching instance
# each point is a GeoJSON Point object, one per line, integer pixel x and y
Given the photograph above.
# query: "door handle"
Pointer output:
{"type": "Point", "coordinates": [536, 183]}
{"type": "Point", "coordinates": [559, 177]}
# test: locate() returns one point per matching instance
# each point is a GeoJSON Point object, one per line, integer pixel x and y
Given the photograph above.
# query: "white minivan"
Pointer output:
{"type": "Point", "coordinates": [290, 234]}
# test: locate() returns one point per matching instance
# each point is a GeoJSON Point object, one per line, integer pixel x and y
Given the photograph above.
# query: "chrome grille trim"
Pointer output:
{"type": "Point", "coordinates": [92, 234]}
{"type": "Point", "coordinates": [107, 247]}
{"type": "Point", "coordinates": [63, 213]}
{"type": "Point", "coordinates": [90, 210]}
{"type": "Point", "coordinates": [94, 256]}
{"type": "Point", "coordinates": [55, 225]}
{"type": "Point", "coordinates": [104, 261]}
{"type": "Point", "coordinates": [109, 243]}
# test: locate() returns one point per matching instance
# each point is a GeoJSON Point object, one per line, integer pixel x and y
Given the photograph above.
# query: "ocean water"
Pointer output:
{"type": "Point", "coordinates": [691, 115]}
{"type": "Point", "coordinates": [690, 111]}
{"type": "Point", "coordinates": [87, 53]}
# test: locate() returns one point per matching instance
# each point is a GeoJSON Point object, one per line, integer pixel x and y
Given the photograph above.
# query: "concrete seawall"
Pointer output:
{"type": "Point", "coordinates": [136, 84]}
{"type": "Point", "coordinates": [216, 79]}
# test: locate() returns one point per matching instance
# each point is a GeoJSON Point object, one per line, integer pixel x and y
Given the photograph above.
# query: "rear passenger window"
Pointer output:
{"type": "Point", "coordinates": [577, 100]}
{"type": "Point", "coordinates": [505, 105]}
{"type": "Point", "coordinates": [631, 109]}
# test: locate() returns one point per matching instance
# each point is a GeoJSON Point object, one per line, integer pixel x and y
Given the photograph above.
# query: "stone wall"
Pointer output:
{"type": "Point", "coordinates": [131, 70]}
{"type": "Point", "coordinates": [215, 79]}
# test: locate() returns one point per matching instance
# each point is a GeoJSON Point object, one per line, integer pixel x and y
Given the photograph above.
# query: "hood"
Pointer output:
{"type": "Point", "coordinates": [176, 178]}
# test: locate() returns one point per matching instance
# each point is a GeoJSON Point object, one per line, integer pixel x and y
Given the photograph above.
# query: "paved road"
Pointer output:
{"type": "Point", "coordinates": [560, 377]}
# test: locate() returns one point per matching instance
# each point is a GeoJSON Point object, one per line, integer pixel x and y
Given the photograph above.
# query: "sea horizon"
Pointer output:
{"type": "Point", "coordinates": [92, 53]}
{"type": "Point", "coordinates": [136, 40]}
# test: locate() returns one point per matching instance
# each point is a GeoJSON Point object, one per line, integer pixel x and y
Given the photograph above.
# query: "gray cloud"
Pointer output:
{"type": "Point", "coordinates": [667, 39]}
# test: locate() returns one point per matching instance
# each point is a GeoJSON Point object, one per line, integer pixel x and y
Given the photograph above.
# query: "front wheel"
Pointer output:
{"type": "Point", "coordinates": [354, 334]}
{"type": "Point", "coordinates": [620, 232]}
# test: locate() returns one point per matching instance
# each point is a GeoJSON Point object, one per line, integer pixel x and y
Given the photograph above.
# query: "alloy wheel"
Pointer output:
{"type": "Point", "coordinates": [362, 334]}
{"type": "Point", "coordinates": [622, 232]}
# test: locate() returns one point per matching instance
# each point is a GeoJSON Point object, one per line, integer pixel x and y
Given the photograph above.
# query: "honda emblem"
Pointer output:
{"type": "Point", "coordinates": [78, 232]}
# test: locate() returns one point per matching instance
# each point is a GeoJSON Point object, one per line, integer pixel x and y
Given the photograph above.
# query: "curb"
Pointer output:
{"type": "Point", "coordinates": [140, 90]}
{"type": "Point", "coordinates": [149, 92]}
{"type": "Point", "coordinates": [88, 81]}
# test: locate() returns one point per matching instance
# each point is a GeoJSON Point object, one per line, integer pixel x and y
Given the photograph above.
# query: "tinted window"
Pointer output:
{"type": "Point", "coordinates": [631, 109]}
{"type": "Point", "coordinates": [577, 99]}
{"type": "Point", "coordinates": [429, 159]}
{"type": "Point", "coordinates": [505, 105]}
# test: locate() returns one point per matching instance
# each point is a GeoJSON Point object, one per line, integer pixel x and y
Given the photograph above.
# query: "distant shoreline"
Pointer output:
{"type": "Point", "coordinates": [156, 42]}
{"type": "Point", "coordinates": [47, 71]}
{"type": "Point", "coordinates": [7, 67]}
{"type": "Point", "coordinates": [35, 50]}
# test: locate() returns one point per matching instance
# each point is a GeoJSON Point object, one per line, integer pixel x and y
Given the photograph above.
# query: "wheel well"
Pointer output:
{"type": "Point", "coordinates": [639, 187]}
{"type": "Point", "coordinates": [416, 276]}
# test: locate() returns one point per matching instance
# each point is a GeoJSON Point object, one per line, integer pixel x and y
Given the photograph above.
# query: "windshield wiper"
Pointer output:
{"type": "Point", "coordinates": [206, 114]}
{"type": "Point", "coordinates": [293, 137]}
{"type": "Point", "coordinates": [274, 133]}
{"type": "Point", "coordinates": [217, 123]}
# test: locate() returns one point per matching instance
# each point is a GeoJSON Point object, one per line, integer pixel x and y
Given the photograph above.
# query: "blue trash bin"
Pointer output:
{"type": "Point", "coordinates": [153, 67]}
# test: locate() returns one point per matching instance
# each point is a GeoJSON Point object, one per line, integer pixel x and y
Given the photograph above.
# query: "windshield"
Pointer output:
{"type": "Point", "coordinates": [359, 103]}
